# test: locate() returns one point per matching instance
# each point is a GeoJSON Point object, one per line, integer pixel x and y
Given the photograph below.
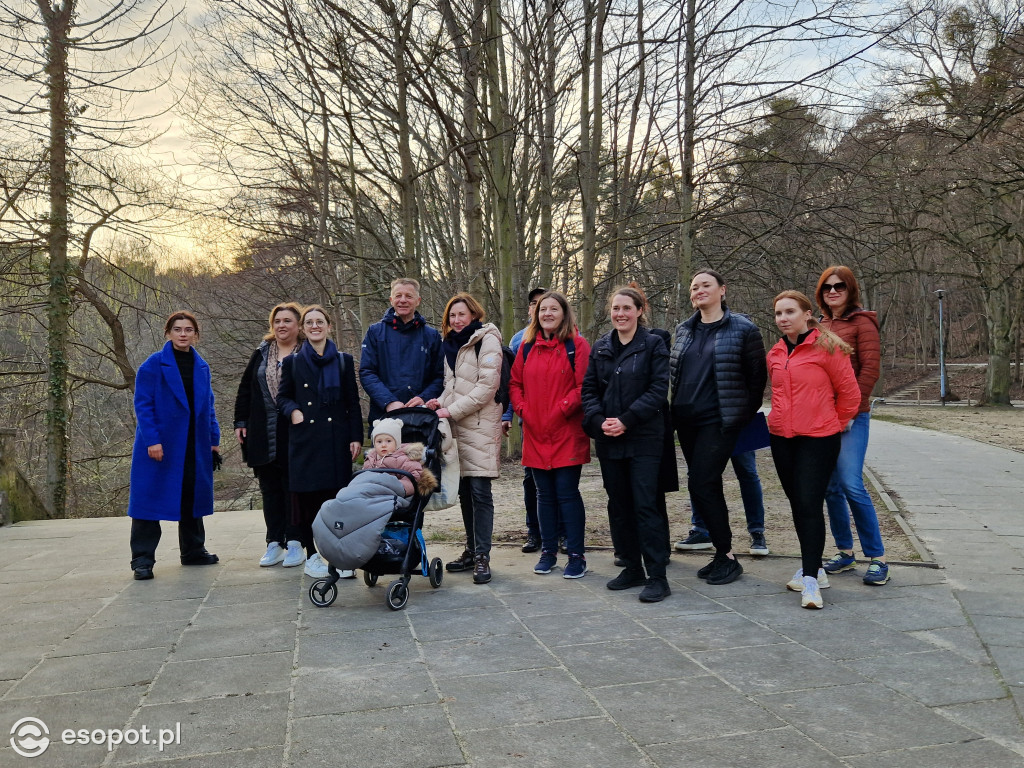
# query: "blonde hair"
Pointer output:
{"type": "Point", "coordinates": [826, 339]}
{"type": "Point", "coordinates": [286, 306]}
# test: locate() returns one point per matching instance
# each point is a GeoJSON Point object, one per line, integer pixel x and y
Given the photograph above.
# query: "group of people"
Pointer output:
{"type": "Point", "coordinates": [298, 419]}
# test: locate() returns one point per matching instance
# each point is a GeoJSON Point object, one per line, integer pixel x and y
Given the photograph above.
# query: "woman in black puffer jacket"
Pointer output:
{"type": "Point", "coordinates": [718, 380]}
{"type": "Point", "coordinates": [623, 392]}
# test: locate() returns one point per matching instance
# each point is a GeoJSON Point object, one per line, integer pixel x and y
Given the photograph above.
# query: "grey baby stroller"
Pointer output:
{"type": "Point", "coordinates": [372, 525]}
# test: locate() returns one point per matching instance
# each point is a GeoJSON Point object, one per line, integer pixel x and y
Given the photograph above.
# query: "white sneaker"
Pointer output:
{"type": "Point", "coordinates": [811, 595]}
{"type": "Point", "coordinates": [275, 554]}
{"type": "Point", "coordinates": [316, 567]}
{"type": "Point", "coordinates": [346, 574]}
{"type": "Point", "coordinates": [797, 582]}
{"type": "Point", "coordinates": [296, 555]}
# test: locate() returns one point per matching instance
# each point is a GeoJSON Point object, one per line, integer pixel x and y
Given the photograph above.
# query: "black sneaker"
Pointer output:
{"type": "Point", "coordinates": [200, 558]}
{"type": "Point", "coordinates": [481, 569]}
{"type": "Point", "coordinates": [696, 540]}
{"type": "Point", "coordinates": [758, 545]}
{"type": "Point", "coordinates": [728, 570]}
{"type": "Point", "coordinates": [627, 579]}
{"type": "Point", "coordinates": [619, 562]}
{"type": "Point", "coordinates": [657, 589]}
{"type": "Point", "coordinates": [532, 543]}
{"type": "Point", "coordinates": [704, 572]}
{"type": "Point", "coordinates": [143, 573]}
{"type": "Point", "coordinates": [463, 563]}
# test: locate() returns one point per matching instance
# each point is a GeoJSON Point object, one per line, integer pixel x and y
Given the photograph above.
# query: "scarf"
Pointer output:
{"type": "Point", "coordinates": [456, 340]}
{"type": "Point", "coordinates": [273, 364]}
{"type": "Point", "coordinates": [329, 387]}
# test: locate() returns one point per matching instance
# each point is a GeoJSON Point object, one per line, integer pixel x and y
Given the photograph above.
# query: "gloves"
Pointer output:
{"type": "Point", "coordinates": [218, 462]}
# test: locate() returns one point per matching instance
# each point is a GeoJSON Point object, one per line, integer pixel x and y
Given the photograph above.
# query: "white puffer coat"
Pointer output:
{"type": "Point", "coordinates": [469, 397]}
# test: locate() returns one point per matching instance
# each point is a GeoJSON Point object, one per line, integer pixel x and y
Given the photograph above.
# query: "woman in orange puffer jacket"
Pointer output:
{"type": "Point", "coordinates": [814, 397]}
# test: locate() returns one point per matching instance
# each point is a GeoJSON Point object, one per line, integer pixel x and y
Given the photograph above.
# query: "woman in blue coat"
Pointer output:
{"type": "Point", "coordinates": [176, 440]}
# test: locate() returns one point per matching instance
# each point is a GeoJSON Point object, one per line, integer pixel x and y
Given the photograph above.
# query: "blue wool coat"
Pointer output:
{"type": "Point", "coordinates": [161, 413]}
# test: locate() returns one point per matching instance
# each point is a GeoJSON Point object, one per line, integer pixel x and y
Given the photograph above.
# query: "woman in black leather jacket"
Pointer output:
{"type": "Point", "coordinates": [718, 380]}
{"type": "Point", "coordinates": [623, 391]}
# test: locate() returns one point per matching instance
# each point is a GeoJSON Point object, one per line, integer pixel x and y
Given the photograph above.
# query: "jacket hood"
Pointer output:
{"type": "Point", "coordinates": [392, 319]}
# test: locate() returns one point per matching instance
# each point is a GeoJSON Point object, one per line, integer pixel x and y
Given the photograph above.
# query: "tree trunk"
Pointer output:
{"type": "Point", "coordinates": [687, 229]}
{"type": "Point", "coordinates": [58, 301]}
{"type": "Point", "coordinates": [547, 146]}
{"type": "Point", "coordinates": [591, 114]}
{"type": "Point", "coordinates": [999, 321]}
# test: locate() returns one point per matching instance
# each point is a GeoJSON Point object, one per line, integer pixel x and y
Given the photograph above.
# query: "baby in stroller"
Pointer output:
{"type": "Point", "coordinates": [391, 453]}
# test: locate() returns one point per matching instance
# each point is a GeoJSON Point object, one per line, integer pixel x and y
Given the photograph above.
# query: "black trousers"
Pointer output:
{"type": "Point", "coordinates": [639, 528]}
{"type": "Point", "coordinates": [707, 450]}
{"type": "Point", "coordinates": [273, 482]}
{"type": "Point", "coordinates": [805, 467]}
{"type": "Point", "coordinates": [304, 507]}
{"type": "Point", "coordinates": [477, 505]}
{"type": "Point", "coordinates": [146, 535]}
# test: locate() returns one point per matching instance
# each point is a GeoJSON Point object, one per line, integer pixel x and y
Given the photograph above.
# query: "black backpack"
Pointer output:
{"type": "Point", "coordinates": [508, 357]}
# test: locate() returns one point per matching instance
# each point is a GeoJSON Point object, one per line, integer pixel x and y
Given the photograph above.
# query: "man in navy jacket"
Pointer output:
{"type": "Point", "coordinates": [401, 364]}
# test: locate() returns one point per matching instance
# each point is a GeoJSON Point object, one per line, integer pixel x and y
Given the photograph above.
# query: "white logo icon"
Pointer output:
{"type": "Point", "coordinates": [30, 737]}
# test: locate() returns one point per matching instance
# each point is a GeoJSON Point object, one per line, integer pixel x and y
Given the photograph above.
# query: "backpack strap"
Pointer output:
{"type": "Point", "coordinates": [570, 351]}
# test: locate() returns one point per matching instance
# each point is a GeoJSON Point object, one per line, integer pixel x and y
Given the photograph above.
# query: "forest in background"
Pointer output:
{"type": "Point", "coordinates": [492, 146]}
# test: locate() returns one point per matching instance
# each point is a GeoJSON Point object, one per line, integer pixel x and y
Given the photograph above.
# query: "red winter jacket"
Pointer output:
{"type": "Point", "coordinates": [859, 329]}
{"type": "Point", "coordinates": [814, 393]}
{"type": "Point", "coordinates": [546, 395]}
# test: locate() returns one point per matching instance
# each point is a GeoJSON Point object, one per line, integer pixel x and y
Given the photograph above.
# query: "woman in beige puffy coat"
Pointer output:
{"type": "Point", "coordinates": [472, 372]}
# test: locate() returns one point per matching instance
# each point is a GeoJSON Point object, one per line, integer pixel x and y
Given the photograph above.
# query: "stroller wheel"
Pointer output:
{"type": "Point", "coordinates": [398, 595]}
{"type": "Point", "coordinates": [322, 593]}
{"type": "Point", "coordinates": [370, 579]}
{"type": "Point", "coordinates": [436, 572]}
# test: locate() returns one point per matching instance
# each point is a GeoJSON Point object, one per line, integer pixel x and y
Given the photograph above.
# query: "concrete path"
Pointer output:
{"type": "Point", "coordinates": [529, 670]}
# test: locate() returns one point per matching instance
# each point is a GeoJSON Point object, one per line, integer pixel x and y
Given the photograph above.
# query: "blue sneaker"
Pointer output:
{"type": "Point", "coordinates": [840, 562]}
{"type": "Point", "coordinates": [575, 568]}
{"type": "Point", "coordinates": [546, 563]}
{"type": "Point", "coordinates": [877, 574]}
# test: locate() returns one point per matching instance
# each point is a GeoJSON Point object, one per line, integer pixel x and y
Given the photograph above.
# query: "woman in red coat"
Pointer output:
{"type": "Point", "coordinates": [545, 391]}
{"type": "Point", "coordinates": [814, 396]}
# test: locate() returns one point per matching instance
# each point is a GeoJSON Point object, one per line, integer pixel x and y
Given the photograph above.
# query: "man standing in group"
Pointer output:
{"type": "Point", "coordinates": [532, 543]}
{"type": "Point", "coordinates": [401, 364]}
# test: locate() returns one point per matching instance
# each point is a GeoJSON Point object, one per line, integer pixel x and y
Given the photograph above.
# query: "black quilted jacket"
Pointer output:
{"type": "Point", "coordinates": [740, 369]}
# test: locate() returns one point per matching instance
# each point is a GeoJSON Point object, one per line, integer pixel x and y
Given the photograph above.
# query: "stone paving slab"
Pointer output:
{"type": "Point", "coordinates": [529, 670]}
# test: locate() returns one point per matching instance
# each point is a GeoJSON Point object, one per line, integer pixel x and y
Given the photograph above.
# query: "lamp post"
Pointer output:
{"type": "Point", "coordinates": [942, 351]}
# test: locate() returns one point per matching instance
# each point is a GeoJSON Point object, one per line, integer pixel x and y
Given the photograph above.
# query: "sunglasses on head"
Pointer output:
{"type": "Point", "coordinates": [837, 287]}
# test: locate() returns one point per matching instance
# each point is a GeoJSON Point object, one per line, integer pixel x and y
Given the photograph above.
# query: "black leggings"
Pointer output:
{"type": "Point", "coordinates": [805, 467]}
{"type": "Point", "coordinates": [707, 450]}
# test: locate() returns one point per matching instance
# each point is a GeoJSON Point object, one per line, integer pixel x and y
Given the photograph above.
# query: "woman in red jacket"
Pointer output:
{"type": "Point", "coordinates": [838, 298]}
{"type": "Point", "coordinates": [545, 391]}
{"type": "Point", "coordinates": [814, 396]}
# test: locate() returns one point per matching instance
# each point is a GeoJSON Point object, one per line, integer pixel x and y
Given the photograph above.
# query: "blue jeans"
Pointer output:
{"type": "Point", "coordinates": [846, 493]}
{"type": "Point", "coordinates": [745, 467]}
{"type": "Point", "coordinates": [560, 506]}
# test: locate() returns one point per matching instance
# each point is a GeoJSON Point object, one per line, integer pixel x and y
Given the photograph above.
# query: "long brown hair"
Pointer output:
{"type": "Point", "coordinates": [286, 306]}
{"type": "Point", "coordinates": [472, 305]}
{"type": "Point", "coordinates": [566, 330]}
{"type": "Point", "coordinates": [852, 289]}
{"type": "Point", "coordinates": [826, 340]}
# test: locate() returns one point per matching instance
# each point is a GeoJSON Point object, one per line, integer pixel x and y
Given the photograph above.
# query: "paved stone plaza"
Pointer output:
{"type": "Point", "coordinates": [533, 670]}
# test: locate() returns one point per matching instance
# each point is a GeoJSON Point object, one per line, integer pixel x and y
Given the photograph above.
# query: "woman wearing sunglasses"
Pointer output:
{"type": "Point", "coordinates": [838, 297]}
